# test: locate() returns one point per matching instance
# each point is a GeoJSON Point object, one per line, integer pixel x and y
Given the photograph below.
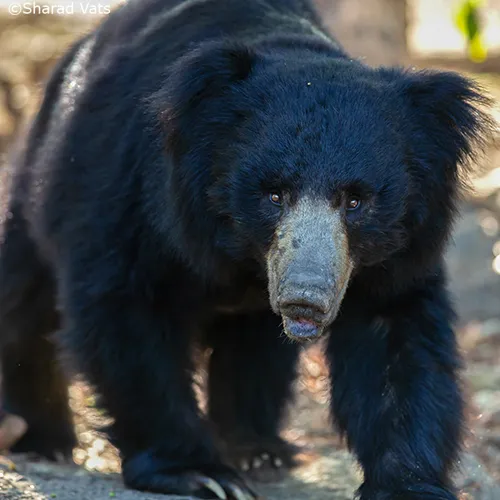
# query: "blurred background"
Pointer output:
{"type": "Point", "coordinates": [452, 34]}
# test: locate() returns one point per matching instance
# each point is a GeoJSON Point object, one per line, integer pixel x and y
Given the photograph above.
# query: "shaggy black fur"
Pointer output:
{"type": "Point", "coordinates": [138, 224]}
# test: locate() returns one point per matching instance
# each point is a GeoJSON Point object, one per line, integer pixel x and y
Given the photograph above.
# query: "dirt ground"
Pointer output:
{"type": "Point", "coordinates": [329, 471]}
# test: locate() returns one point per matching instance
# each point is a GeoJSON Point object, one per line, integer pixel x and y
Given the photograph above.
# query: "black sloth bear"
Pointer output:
{"type": "Point", "coordinates": [213, 173]}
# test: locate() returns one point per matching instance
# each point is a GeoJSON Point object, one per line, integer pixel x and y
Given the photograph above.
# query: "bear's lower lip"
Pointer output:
{"type": "Point", "coordinates": [301, 328]}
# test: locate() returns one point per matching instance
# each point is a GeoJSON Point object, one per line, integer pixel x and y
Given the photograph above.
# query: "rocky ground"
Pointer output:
{"type": "Point", "coordinates": [29, 47]}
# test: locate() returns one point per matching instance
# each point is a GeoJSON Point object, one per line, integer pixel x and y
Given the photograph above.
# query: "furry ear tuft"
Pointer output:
{"type": "Point", "coordinates": [451, 112]}
{"type": "Point", "coordinates": [195, 99]}
{"type": "Point", "coordinates": [206, 71]}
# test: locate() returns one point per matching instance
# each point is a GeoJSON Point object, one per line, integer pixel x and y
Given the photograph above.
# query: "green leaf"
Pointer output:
{"type": "Point", "coordinates": [477, 51]}
{"type": "Point", "coordinates": [468, 22]}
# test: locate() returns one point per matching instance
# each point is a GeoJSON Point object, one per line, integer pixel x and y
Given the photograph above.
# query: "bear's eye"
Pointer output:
{"type": "Point", "coordinates": [275, 199]}
{"type": "Point", "coordinates": [353, 203]}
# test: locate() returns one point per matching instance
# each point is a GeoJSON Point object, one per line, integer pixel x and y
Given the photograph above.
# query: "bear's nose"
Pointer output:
{"type": "Point", "coordinates": [304, 310]}
{"type": "Point", "coordinates": [305, 295]}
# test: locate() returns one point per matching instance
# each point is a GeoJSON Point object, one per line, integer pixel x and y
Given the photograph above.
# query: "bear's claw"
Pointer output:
{"type": "Point", "coordinates": [210, 484]}
{"type": "Point", "coordinates": [226, 489]}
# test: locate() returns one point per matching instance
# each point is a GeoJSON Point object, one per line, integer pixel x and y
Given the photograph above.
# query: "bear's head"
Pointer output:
{"type": "Point", "coordinates": [316, 167]}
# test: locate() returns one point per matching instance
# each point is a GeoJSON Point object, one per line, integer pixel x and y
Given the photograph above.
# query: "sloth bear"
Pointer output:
{"type": "Point", "coordinates": [220, 174]}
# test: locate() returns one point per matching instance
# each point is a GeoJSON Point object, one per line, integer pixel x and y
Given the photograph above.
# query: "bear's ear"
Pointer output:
{"type": "Point", "coordinates": [449, 118]}
{"type": "Point", "coordinates": [196, 101]}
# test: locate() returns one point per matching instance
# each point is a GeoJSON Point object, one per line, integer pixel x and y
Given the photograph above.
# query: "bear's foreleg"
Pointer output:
{"type": "Point", "coordinates": [136, 352]}
{"type": "Point", "coordinates": [396, 395]}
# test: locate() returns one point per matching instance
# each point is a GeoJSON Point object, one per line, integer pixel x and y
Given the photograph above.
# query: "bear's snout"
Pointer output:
{"type": "Point", "coordinates": [307, 307]}
{"type": "Point", "coordinates": [309, 268]}
{"type": "Point", "coordinates": [305, 304]}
